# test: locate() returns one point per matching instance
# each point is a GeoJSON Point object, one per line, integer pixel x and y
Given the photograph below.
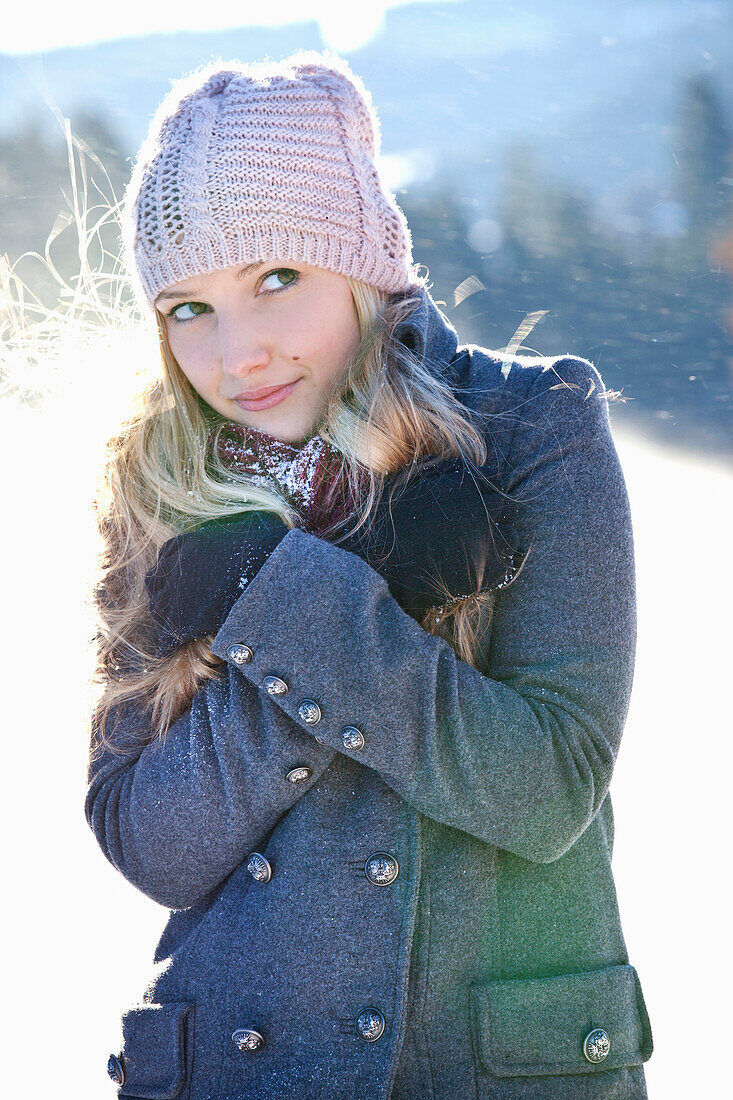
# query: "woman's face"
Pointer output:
{"type": "Point", "coordinates": [243, 331]}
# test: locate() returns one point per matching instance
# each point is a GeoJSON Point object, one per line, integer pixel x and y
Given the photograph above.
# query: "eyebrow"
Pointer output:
{"type": "Point", "coordinates": [241, 274]}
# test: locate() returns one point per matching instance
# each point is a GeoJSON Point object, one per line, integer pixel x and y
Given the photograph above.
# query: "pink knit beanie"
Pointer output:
{"type": "Point", "coordinates": [265, 161]}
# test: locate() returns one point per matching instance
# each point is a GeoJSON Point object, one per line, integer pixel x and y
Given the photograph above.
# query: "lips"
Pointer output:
{"type": "Point", "coordinates": [265, 397]}
{"type": "Point", "coordinates": [263, 391]}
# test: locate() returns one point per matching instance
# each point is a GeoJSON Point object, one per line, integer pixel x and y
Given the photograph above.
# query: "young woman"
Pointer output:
{"type": "Point", "coordinates": [366, 641]}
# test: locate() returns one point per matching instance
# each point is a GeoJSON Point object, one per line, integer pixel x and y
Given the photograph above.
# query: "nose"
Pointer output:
{"type": "Point", "coordinates": [242, 350]}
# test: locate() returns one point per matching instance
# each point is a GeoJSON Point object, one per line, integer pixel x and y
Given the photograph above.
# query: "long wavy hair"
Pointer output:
{"type": "Point", "coordinates": [159, 478]}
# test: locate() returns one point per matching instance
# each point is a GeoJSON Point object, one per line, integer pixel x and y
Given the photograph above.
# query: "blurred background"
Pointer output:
{"type": "Point", "coordinates": [566, 170]}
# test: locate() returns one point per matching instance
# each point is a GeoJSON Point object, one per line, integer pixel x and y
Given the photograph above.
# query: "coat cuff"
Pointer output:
{"type": "Point", "coordinates": [289, 635]}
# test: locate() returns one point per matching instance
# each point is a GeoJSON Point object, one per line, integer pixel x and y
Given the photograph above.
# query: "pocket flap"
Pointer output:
{"type": "Point", "coordinates": [156, 1050]}
{"type": "Point", "coordinates": [527, 1026]}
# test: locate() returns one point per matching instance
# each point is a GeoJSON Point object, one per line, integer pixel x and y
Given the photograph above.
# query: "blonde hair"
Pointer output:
{"type": "Point", "coordinates": [159, 478]}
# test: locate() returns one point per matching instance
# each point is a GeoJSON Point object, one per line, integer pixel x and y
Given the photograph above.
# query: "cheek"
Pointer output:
{"type": "Point", "coordinates": [326, 342]}
{"type": "Point", "coordinates": [198, 368]}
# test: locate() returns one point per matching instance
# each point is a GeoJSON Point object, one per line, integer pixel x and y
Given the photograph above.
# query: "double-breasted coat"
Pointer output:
{"type": "Point", "coordinates": [389, 872]}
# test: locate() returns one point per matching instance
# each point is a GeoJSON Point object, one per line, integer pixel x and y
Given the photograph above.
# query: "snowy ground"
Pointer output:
{"type": "Point", "coordinates": [80, 938]}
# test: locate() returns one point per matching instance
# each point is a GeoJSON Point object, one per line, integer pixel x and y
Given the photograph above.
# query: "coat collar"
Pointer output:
{"type": "Point", "coordinates": [432, 338]}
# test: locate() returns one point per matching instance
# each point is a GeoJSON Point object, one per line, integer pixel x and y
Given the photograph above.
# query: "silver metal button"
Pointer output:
{"type": "Point", "coordinates": [247, 1040]}
{"type": "Point", "coordinates": [369, 1024]}
{"type": "Point", "coordinates": [240, 654]}
{"type": "Point", "coordinates": [596, 1045]}
{"type": "Point", "coordinates": [381, 869]}
{"type": "Point", "coordinates": [259, 867]}
{"type": "Point", "coordinates": [352, 738]}
{"type": "Point", "coordinates": [309, 712]}
{"type": "Point", "coordinates": [275, 686]}
{"type": "Point", "coordinates": [115, 1069]}
{"type": "Point", "coordinates": [299, 775]}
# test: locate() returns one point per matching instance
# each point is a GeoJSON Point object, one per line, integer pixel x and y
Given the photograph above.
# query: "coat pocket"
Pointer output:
{"type": "Point", "coordinates": [157, 1052]}
{"type": "Point", "coordinates": [586, 1022]}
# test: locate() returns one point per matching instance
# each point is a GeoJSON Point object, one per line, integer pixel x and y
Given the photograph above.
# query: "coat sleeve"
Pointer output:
{"type": "Point", "coordinates": [177, 816]}
{"type": "Point", "coordinates": [521, 756]}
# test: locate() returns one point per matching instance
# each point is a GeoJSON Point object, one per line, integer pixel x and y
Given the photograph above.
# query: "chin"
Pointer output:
{"type": "Point", "coordinates": [287, 433]}
{"type": "Point", "coordinates": [295, 436]}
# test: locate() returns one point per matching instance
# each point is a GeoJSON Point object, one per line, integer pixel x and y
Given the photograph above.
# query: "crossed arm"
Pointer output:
{"type": "Point", "coordinates": [520, 757]}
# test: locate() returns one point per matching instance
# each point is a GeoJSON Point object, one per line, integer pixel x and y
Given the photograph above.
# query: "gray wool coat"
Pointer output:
{"type": "Point", "coordinates": [389, 872]}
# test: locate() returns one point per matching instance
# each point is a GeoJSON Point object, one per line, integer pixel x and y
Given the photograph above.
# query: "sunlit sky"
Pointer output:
{"type": "Point", "coordinates": [343, 27]}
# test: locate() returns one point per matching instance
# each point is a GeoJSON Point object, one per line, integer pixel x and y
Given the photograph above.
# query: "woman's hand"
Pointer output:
{"type": "Point", "coordinates": [441, 536]}
{"type": "Point", "coordinates": [198, 576]}
{"type": "Point", "coordinates": [444, 535]}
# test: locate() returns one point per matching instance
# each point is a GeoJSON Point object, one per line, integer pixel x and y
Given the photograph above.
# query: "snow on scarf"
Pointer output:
{"type": "Point", "coordinates": [308, 474]}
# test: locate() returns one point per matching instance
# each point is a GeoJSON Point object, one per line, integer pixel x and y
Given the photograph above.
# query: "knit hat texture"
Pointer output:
{"type": "Point", "coordinates": [273, 160]}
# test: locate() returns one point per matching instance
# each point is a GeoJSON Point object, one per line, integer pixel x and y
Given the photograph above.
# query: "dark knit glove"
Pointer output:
{"type": "Point", "coordinates": [199, 576]}
{"type": "Point", "coordinates": [445, 525]}
{"type": "Point", "coordinates": [441, 526]}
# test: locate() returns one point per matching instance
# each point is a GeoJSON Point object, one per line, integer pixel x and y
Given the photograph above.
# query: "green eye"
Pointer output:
{"type": "Point", "coordinates": [197, 308]}
{"type": "Point", "coordinates": [291, 277]}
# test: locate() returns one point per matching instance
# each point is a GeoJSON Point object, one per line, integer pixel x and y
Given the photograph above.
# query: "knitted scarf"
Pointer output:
{"type": "Point", "coordinates": [310, 475]}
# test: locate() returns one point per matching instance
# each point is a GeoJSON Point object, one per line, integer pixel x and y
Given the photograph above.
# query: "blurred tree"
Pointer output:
{"type": "Point", "coordinates": [704, 148]}
{"type": "Point", "coordinates": [546, 219]}
{"type": "Point", "coordinates": [439, 234]}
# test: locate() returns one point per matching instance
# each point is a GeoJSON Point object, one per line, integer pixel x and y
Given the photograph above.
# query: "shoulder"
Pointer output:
{"type": "Point", "coordinates": [493, 379]}
{"type": "Point", "coordinates": [514, 397]}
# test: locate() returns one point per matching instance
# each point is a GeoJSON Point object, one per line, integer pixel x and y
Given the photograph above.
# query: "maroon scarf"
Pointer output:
{"type": "Point", "coordinates": [310, 475]}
